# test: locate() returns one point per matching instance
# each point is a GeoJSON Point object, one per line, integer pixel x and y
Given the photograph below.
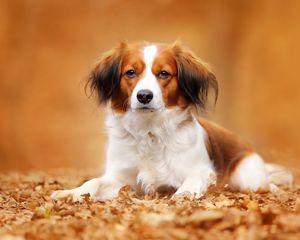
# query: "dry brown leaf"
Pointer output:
{"type": "Point", "coordinates": [155, 219]}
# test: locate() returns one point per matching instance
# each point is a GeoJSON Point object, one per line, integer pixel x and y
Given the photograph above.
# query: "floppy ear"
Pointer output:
{"type": "Point", "coordinates": [195, 79]}
{"type": "Point", "coordinates": [105, 77]}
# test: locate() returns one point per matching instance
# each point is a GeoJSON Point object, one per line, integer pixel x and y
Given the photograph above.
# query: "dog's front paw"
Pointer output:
{"type": "Point", "coordinates": [63, 194]}
{"type": "Point", "coordinates": [189, 193]}
{"type": "Point", "coordinates": [195, 186]}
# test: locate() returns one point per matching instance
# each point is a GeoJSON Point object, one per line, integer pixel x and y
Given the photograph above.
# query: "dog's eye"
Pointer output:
{"type": "Point", "coordinates": [130, 73]}
{"type": "Point", "coordinates": [163, 74]}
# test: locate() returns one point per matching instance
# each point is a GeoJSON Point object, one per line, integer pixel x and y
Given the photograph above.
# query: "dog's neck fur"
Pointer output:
{"type": "Point", "coordinates": [160, 124]}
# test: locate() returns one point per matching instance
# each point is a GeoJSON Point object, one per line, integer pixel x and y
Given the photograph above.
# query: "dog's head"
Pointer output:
{"type": "Point", "coordinates": [149, 77]}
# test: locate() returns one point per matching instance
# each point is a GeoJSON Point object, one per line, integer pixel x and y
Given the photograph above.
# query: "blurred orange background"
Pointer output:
{"type": "Point", "coordinates": [48, 47]}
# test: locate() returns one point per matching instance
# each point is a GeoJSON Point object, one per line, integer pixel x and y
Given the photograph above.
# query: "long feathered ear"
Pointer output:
{"type": "Point", "coordinates": [195, 78]}
{"type": "Point", "coordinates": [104, 79]}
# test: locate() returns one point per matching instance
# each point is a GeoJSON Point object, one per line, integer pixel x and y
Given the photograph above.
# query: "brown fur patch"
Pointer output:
{"type": "Point", "coordinates": [172, 95]}
{"type": "Point", "coordinates": [195, 78]}
{"type": "Point", "coordinates": [132, 59]}
{"type": "Point", "coordinates": [225, 148]}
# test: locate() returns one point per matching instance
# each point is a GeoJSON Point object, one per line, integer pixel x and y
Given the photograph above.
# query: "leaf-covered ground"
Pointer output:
{"type": "Point", "coordinates": [26, 212]}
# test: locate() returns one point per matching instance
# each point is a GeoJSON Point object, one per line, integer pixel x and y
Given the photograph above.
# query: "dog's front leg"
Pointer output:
{"type": "Point", "coordinates": [105, 185]}
{"type": "Point", "coordinates": [146, 181]}
{"type": "Point", "coordinates": [197, 182]}
{"type": "Point", "coordinates": [100, 189]}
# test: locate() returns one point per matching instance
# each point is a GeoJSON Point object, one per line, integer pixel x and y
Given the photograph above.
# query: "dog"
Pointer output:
{"type": "Point", "coordinates": [155, 137]}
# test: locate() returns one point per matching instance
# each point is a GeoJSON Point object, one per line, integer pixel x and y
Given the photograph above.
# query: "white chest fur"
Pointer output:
{"type": "Point", "coordinates": [155, 148]}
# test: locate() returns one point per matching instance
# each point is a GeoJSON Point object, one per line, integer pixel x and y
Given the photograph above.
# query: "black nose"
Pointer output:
{"type": "Point", "coordinates": [144, 96]}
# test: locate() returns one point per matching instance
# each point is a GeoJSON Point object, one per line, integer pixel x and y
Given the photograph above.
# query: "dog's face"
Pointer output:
{"type": "Point", "coordinates": [149, 77]}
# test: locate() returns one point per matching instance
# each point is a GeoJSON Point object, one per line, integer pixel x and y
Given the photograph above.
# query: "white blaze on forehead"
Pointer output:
{"type": "Point", "coordinates": [149, 54]}
{"type": "Point", "coordinates": [148, 81]}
